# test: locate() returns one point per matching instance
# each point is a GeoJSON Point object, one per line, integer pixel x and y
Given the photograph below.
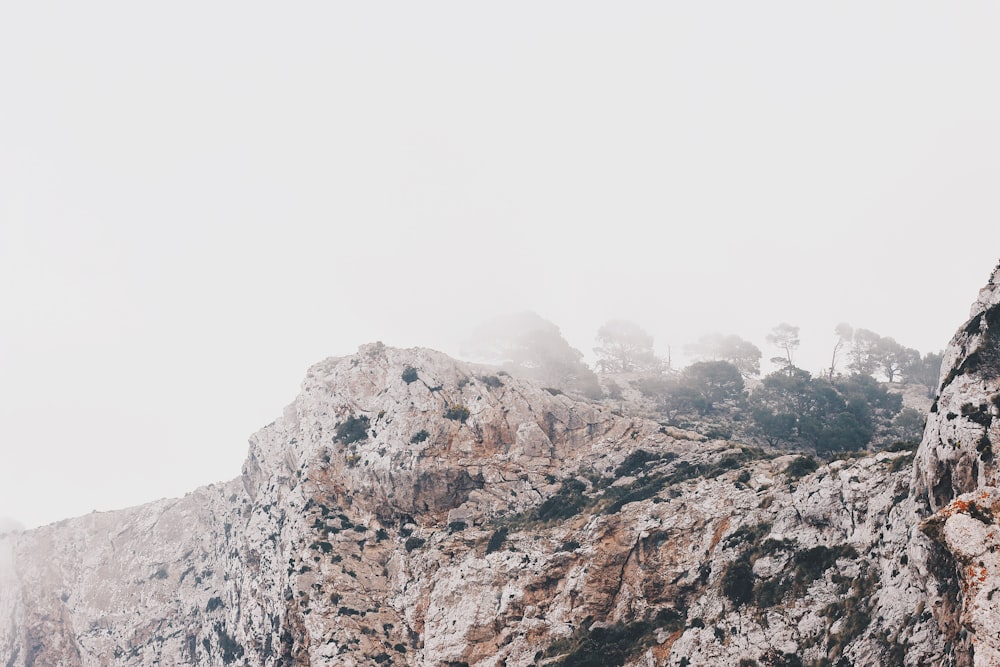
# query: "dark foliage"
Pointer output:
{"type": "Point", "coordinates": [496, 540]}
{"type": "Point", "coordinates": [800, 467]}
{"type": "Point", "coordinates": [354, 429]}
{"type": "Point", "coordinates": [491, 381]}
{"type": "Point", "coordinates": [457, 412]}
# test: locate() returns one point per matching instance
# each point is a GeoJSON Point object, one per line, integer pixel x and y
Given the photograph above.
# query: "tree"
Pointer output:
{"type": "Point", "coordinates": [924, 371]}
{"type": "Point", "coordinates": [625, 348]}
{"type": "Point", "coordinates": [863, 356]}
{"type": "Point", "coordinates": [827, 416]}
{"type": "Point", "coordinates": [908, 426]}
{"type": "Point", "coordinates": [892, 357]}
{"type": "Point", "coordinates": [528, 345]}
{"type": "Point", "coordinates": [786, 338]}
{"type": "Point", "coordinates": [740, 353]}
{"type": "Point", "coordinates": [844, 332]}
{"type": "Point", "coordinates": [665, 391]}
{"type": "Point", "coordinates": [708, 383]}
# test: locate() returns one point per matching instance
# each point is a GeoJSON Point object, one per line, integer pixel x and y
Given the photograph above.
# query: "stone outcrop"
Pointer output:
{"type": "Point", "coordinates": [956, 478]}
{"type": "Point", "coordinates": [409, 509]}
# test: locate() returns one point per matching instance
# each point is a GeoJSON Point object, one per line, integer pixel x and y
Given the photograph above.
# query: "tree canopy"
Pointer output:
{"type": "Point", "coordinates": [785, 337]}
{"type": "Point", "coordinates": [527, 344]}
{"type": "Point", "coordinates": [742, 354]}
{"type": "Point", "coordinates": [625, 348]}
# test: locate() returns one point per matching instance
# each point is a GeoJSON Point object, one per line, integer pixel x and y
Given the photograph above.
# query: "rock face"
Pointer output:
{"type": "Point", "coordinates": [409, 509]}
{"type": "Point", "coordinates": [956, 475]}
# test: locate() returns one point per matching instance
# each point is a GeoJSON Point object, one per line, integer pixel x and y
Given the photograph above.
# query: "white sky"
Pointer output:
{"type": "Point", "coordinates": [199, 200]}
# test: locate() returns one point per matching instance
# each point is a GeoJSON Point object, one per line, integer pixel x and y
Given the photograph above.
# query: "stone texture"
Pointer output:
{"type": "Point", "coordinates": [452, 516]}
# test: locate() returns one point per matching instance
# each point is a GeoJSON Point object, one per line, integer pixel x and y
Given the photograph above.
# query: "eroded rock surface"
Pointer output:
{"type": "Point", "coordinates": [409, 509]}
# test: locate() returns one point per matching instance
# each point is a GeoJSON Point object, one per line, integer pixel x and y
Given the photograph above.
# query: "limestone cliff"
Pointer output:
{"type": "Point", "coordinates": [409, 509]}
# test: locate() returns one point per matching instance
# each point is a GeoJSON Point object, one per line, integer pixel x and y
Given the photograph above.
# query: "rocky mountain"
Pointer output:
{"type": "Point", "coordinates": [409, 509]}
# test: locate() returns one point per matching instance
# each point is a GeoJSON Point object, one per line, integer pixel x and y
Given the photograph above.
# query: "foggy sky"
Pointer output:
{"type": "Point", "coordinates": [198, 201]}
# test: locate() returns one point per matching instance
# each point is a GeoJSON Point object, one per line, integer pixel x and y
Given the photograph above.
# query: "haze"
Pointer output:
{"type": "Point", "coordinates": [198, 201]}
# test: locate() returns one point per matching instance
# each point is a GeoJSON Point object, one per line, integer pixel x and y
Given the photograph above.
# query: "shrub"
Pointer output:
{"type": "Point", "coordinates": [564, 503]}
{"type": "Point", "coordinates": [354, 429]}
{"type": "Point", "coordinates": [457, 412]}
{"type": "Point", "coordinates": [800, 467]}
{"type": "Point", "coordinates": [409, 375]}
{"type": "Point", "coordinates": [491, 381]}
{"type": "Point", "coordinates": [592, 646]}
{"type": "Point", "coordinates": [737, 582]}
{"type": "Point", "coordinates": [419, 436]}
{"type": "Point", "coordinates": [636, 461]}
{"type": "Point", "coordinates": [496, 540]}
{"type": "Point", "coordinates": [414, 543]}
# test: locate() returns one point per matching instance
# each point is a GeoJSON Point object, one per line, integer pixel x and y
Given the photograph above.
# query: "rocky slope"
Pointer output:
{"type": "Point", "coordinates": [409, 509]}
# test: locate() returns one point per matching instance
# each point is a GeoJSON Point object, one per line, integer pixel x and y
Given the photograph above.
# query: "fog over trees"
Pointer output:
{"type": "Point", "coordinates": [848, 406]}
{"type": "Point", "coordinates": [193, 211]}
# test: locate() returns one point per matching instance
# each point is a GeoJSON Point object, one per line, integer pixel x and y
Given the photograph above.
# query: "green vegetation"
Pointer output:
{"type": "Point", "coordinates": [496, 540]}
{"type": "Point", "coordinates": [790, 406]}
{"type": "Point", "coordinates": [804, 567]}
{"type": "Point", "coordinates": [457, 412]}
{"type": "Point", "coordinates": [564, 503]}
{"type": "Point", "coordinates": [592, 646]}
{"type": "Point", "coordinates": [800, 467]}
{"type": "Point", "coordinates": [625, 348]}
{"type": "Point", "coordinates": [419, 436]}
{"type": "Point", "coordinates": [354, 429]}
{"type": "Point", "coordinates": [410, 375]}
{"type": "Point", "coordinates": [491, 381]}
{"type": "Point", "coordinates": [532, 347]}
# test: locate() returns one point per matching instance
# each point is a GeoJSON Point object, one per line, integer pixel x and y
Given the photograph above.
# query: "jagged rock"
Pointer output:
{"type": "Point", "coordinates": [410, 509]}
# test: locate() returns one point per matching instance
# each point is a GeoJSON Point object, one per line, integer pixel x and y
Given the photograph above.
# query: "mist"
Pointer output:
{"type": "Point", "coordinates": [192, 212]}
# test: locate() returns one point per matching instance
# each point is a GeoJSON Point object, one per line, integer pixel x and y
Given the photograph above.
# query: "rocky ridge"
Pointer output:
{"type": "Point", "coordinates": [410, 509]}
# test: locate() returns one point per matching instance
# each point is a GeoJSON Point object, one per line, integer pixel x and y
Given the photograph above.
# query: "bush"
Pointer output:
{"type": "Point", "coordinates": [354, 429]}
{"type": "Point", "coordinates": [457, 412]}
{"type": "Point", "coordinates": [414, 543]}
{"type": "Point", "coordinates": [610, 646]}
{"type": "Point", "coordinates": [410, 375]}
{"type": "Point", "coordinates": [563, 504]}
{"type": "Point", "coordinates": [491, 381]}
{"type": "Point", "coordinates": [737, 582]}
{"type": "Point", "coordinates": [496, 540]}
{"type": "Point", "coordinates": [419, 436]}
{"type": "Point", "coordinates": [800, 467]}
